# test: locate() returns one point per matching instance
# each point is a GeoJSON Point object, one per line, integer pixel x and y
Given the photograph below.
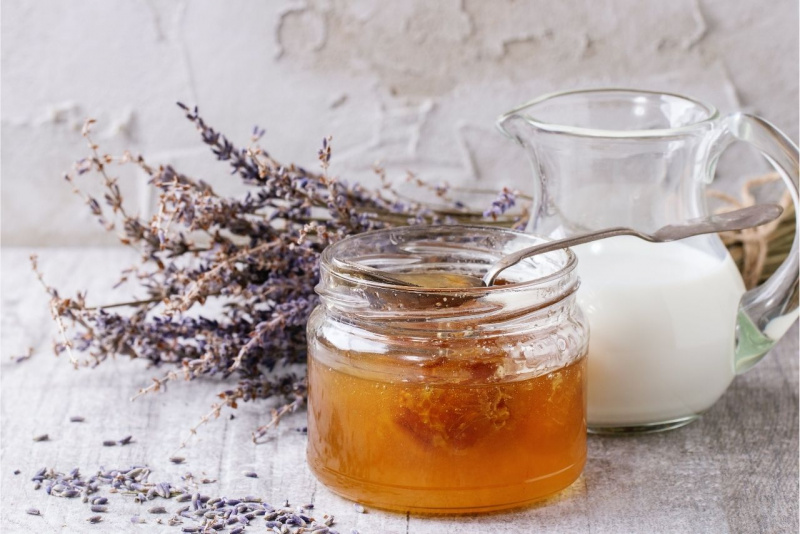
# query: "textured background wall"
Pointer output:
{"type": "Point", "coordinates": [413, 84]}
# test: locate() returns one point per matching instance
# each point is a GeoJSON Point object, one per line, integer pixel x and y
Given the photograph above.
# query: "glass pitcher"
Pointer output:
{"type": "Point", "coordinates": [671, 324]}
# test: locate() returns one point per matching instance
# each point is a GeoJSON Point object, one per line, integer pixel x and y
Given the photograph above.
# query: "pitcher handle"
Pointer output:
{"type": "Point", "coordinates": [766, 312]}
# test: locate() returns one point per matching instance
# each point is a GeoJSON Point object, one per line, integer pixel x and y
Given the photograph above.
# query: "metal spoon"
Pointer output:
{"type": "Point", "coordinates": [724, 222]}
{"type": "Point", "coordinates": [421, 279]}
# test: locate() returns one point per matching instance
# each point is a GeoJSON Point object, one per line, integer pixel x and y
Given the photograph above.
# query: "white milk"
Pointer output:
{"type": "Point", "coordinates": [661, 320]}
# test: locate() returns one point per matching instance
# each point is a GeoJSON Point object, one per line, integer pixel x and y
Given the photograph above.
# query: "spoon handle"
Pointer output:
{"type": "Point", "coordinates": [512, 259]}
{"type": "Point", "coordinates": [740, 219]}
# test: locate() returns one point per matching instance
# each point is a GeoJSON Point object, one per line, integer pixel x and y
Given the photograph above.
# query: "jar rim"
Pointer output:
{"type": "Point", "coordinates": [328, 260]}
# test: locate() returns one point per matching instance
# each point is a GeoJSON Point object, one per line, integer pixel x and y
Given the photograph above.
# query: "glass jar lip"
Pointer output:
{"type": "Point", "coordinates": [712, 114]}
{"type": "Point", "coordinates": [328, 260]}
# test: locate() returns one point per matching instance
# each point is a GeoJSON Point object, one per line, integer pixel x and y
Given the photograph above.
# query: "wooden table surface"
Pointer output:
{"type": "Point", "coordinates": [734, 470]}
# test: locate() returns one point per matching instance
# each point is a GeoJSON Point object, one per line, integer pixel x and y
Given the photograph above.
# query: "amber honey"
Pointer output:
{"type": "Point", "coordinates": [446, 398]}
{"type": "Point", "coordinates": [466, 446]}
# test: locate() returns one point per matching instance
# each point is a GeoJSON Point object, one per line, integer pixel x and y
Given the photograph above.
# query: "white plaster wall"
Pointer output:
{"type": "Point", "coordinates": [414, 84]}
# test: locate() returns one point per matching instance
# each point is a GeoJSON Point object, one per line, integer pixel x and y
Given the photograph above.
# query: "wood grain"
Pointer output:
{"type": "Point", "coordinates": [735, 470]}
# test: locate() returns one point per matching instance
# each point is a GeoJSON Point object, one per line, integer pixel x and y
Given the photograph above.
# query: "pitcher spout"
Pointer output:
{"type": "Point", "coordinates": [514, 126]}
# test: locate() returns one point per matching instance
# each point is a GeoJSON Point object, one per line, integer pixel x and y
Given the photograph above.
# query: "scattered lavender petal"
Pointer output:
{"type": "Point", "coordinates": [162, 490]}
{"type": "Point", "coordinates": [33, 511]}
{"type": "Point", "coordinates": [76, 419]}
{"type": "Point", "coordinates": [21, 358]}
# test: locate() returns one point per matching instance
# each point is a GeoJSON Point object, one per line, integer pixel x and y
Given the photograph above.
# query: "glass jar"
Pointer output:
{"type": "Point", "coordinates": [446, 399]}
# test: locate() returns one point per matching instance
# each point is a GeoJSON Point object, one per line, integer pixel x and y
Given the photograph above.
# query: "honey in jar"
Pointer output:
{"type": "Point", "coordinates": [446, 399]}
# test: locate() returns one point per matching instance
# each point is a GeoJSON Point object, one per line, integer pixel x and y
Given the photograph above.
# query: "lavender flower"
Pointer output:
{"type": "Point", "coordinates": [505, 200]}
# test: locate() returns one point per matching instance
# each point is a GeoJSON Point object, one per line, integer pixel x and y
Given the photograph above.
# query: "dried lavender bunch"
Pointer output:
{"type": "Point", "coordinates": [226, 284]}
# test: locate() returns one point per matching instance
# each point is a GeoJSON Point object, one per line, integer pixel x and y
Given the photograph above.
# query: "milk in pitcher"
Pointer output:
{"type": "Point", "coordinates": [660, 319]}
{"type": "Point", "coordinates": [663, 317]}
